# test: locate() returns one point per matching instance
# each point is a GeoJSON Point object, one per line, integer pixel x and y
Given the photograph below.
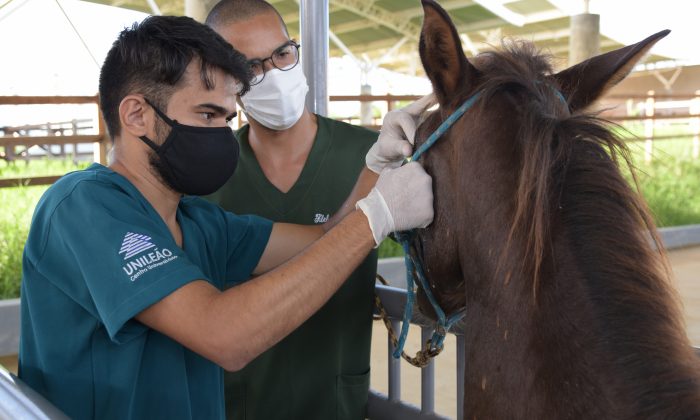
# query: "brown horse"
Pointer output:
{"type": "Point", "coordinates": [537, 235]}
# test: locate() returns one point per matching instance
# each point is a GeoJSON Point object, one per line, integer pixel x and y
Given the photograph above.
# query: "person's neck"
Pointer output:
{"type": "Point", "coordinates": [291, 144]}
{"type": "Point", "coordinates": [163, 199]}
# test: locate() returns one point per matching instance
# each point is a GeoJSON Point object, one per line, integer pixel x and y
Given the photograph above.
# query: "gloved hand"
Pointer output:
{"type": "Point", "coordinates": [401, 199]}
{"type": "Point", "coordinates": [395, 142]}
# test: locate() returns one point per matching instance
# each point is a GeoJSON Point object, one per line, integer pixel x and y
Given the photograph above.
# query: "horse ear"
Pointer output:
{"type": "Point", "coordinates": [441, 52]}
{"type": "Point", "coordinates": [587, 81]}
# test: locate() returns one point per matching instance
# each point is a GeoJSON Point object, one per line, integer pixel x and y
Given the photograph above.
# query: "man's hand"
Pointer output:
{"type": "Point", "coordinates": [402, 199]}
{"type": "Point", "coordinates": [396, 137]}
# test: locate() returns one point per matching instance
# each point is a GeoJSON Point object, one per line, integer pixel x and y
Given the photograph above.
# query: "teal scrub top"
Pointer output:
{"type": "Point", "coordinates": [97, 255]}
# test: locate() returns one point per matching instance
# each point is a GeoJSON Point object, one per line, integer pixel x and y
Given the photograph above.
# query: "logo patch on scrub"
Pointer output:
{"type": "Point", "coordinates": [135, 244]}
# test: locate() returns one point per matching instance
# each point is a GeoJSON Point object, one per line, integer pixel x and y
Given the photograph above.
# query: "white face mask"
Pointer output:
{"type": "Point", "coordinates": [278, 101]}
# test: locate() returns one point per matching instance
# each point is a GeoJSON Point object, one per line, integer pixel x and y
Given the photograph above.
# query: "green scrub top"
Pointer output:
{"type": "Point", "coordinates": [97, 255]}
{"type": "Point", "coordinates": [321, 370]}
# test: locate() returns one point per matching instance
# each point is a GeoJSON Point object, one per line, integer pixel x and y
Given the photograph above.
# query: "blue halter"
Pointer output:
{"type": "Point", "coordinates": [414, 268]}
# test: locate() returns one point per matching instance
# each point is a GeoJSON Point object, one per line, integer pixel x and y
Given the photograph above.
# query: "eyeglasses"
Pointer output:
{"type": "Point", "coordinates": [284, 58]}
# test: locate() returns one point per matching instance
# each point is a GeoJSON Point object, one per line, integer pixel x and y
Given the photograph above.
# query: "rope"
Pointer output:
{"type": "Point", "coordinates": [422, 357]}
{"type": "Point", "coordinates": [414, 269]}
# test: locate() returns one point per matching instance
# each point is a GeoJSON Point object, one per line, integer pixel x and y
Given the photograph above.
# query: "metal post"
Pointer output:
{"type": "Point", "coordinates": [695, 124]}
{"type": "Point", "coordinates": [649, 110]}
{"type": "Point", "coordinates": [427, 378]}
{"type": "Point", "coordinates": [366, 116]}
{"type": "Point", "coordinates": [394, 368]}
{"type": "Point", "coordinates": [196, 9]}
{"type": "Point", "coordinates": [314, 52]}
{"type": "Point", "coordinates": [461, 348]}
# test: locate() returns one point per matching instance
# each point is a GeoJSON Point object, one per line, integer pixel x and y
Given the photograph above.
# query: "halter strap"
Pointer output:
{"type": "Point", "coordinates": [445, 126]}
{"type": "Point", "coordinates": [414, 268]}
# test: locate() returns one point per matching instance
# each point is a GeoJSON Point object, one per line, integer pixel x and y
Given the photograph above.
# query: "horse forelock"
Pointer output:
{"type": "Point", "coordinates": [549, 139]}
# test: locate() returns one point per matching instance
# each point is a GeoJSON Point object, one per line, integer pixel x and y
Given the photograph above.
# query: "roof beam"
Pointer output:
{"type": "Point", "coordinates": [498, 8]}
{"type": "Point", "coordinates": [367, 10]}
{"type": "Point", "coordinates": [404, 15]}
{"type": "Point", "coordinates": [446, 4]}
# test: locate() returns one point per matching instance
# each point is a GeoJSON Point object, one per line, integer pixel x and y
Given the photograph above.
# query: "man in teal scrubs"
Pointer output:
{"type": "Point", "coordinates": [296, 167]}
{"type": "Point", "coordinates": [127, 309]}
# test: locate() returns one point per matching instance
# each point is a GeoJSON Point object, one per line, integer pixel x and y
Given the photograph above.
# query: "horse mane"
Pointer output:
{"type": "Point", "coordinates": [570, 168]}
{"type": "Point", "coordinates": [569, 182]}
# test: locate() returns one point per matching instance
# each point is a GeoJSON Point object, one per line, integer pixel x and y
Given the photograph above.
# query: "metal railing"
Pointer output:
{"type": "Point", "coordinates": [19, 401]}
{"type": "Point", "coordinates": [391, 407]}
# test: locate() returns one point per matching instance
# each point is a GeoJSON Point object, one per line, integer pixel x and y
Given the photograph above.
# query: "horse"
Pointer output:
{"type": "Point", "coordinates": [570, 312]}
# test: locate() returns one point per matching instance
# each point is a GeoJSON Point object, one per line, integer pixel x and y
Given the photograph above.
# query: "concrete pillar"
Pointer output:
{"type": "Point", "coordinates": [199, 9]}
{"type": "Point", "coordinates": [584, 41]}
{"type": "Point", "coordinates": [366, 116]}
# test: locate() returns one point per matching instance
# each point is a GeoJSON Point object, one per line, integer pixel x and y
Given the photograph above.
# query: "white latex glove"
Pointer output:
{"type": "Point", "coordinates": [395, 142]}
{"type": "Point", "coordinates": [402, 199]}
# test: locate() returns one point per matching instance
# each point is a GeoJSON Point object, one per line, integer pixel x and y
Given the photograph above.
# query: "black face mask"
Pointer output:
{"type": "Point", "coordinates": [195, 160]}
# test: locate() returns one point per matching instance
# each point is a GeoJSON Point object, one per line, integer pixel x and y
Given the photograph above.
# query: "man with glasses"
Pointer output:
{"type": "Point", "coordinates": [296, 167]}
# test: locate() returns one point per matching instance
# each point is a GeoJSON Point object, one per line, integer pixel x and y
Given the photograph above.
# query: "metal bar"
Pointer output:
{"type": "Point", "coordinates": [314, 52]}
{"type": "Point", "coordinates": [379, 407]}
{"type": "Point", "coordinates": [461, 348]}
{"type": "Point", "coordinates": [394, 368]}
{"type": "Point", "coordinates": [370, 98]}
{"type": "Point", "coordinates": [427, 378]}
{"type": "Point", "coordinates": [19, 401]}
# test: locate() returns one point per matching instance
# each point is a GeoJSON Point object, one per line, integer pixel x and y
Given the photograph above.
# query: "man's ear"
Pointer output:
{"type": "Point", "coordinates": [136, 117]}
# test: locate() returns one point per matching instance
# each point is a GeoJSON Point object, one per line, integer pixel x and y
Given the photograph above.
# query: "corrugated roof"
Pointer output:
{"type": "Point", "coordinates": [370, 28]}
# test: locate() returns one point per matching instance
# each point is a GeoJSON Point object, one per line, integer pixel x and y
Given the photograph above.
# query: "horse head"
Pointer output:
{"type": "Point", "coordinates": [498, 169]}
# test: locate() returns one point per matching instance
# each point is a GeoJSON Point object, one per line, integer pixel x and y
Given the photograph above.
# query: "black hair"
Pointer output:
{"type": "Point", "coordinates": [229, 11]}
{"type": "Point", "coordinates": [151, 57]}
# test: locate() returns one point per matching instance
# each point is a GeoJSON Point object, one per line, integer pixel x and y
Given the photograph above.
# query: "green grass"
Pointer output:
{"type": "Point", "coordinates": [16, 209]}
{"type": "Point", "coordinates": [43, 167]}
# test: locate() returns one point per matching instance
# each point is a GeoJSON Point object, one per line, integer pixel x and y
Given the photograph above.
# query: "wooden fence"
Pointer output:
{"type": "Point", "coordinates": [652, 111]}
{"type": "Point", "coordinates": [51, 133]}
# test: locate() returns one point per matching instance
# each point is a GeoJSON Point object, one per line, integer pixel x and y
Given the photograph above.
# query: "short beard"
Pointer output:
{"type": "Point", "coordinates": [158, 167]}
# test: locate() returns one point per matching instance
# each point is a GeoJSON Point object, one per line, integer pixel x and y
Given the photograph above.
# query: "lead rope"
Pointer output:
{"type": "Point", "coordinates": [424, 356]}
{"type": "Point", "coordinates": [414, 270]}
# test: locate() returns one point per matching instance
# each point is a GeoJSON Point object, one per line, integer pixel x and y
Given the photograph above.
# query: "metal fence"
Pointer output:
{"type": "Point", "coordinates": [391, 407]}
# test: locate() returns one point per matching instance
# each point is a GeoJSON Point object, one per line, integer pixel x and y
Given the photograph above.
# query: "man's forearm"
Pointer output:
{"type": "Point", "coordinates": [362, 187]}
{"type": "Point", "coordinates": [263, 311]}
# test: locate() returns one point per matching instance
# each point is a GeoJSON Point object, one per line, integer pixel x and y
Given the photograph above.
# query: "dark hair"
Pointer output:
{"type": "Point", "coordinates": [228, 11]}
{"type": "Point", "coordinates": [151, 57]}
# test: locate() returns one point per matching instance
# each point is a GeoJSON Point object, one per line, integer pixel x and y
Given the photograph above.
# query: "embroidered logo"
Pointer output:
{"type": "Point", "coordinates": [134, 243]}
{"type": "Point", "coordinates": [321, 218]}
